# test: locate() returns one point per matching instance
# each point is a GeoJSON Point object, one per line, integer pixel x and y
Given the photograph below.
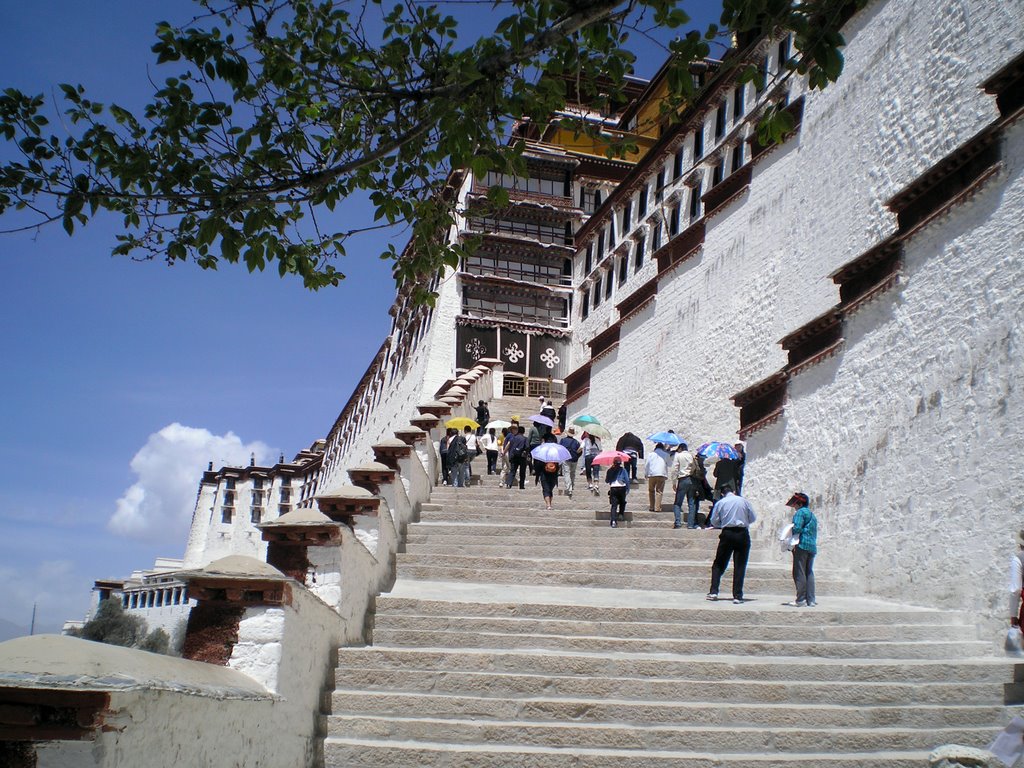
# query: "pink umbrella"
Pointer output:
{"type": "Point", "coordinates": [538, 419]}
{"type": "Point", "coordinates": [609, 457]}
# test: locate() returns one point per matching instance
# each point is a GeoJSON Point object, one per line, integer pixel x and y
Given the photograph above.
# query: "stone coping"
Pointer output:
{"type": "Point", "coordinates": [56, 661]}
{"type": "Point", "coordinates": [372, 466]}
{"type": "Point", "coordinates": [433, 404]}
{"type": "Point", "coordinates": [241, 567]}
{"type": "Point", "coordinates": [348, 492]}
{"type": "Point", "coordinates": [305, 517]}
{"type": "Point", "coordinates": [390, 442]}
{"type": "Point", "coordinates": [411, 430]}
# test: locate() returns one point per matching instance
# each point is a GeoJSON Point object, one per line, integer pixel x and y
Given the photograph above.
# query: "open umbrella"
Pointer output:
{"type": "Point", "coordinates": [666, 438]}
{"type": "Point", "coordinates": [551, 452]}
{"type": "Point", "coordinates": [499, 424]}
{"type": "Point", "coordinates": [609, 457]}
{"type": "Point", "coordinates": [597, 430]}
{"type": "Point", "coordinates": [461, 422]}
{"type": "Point", "coordinates": [584, 420]}
{"type": "Point", "coordinates": [538, 419]}
{"type": "Point", "coordinates": [719, 450]}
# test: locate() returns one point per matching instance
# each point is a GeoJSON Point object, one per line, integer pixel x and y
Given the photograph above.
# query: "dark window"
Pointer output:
{"type": "Point", "coordinates": [673, 222]}
{"type": "Point", "coordinates": [782, 55]}
{"type": "Point", "coordinates": [608, 284]}
{"type": "Point", "coordinates": [286, 495]}
{"type": "Point", "coordinates": [256, 515]}
{"type": "Point", "coordinates": [765, 76]}
{"type": "Point", "coordinates": [695, 202]}
{"type": "Point", "coordinates": [698, 143]}
{"type": "Point", "coordinates": [600, 246]}
{"type": "Point", "coordinates": [544, 233]}
{"type": "Point", "coordinates": [623, 269]}
{"type": "Point", "coordinates": [531, 185]}
{"type": "Point", "coordinates": [229, 499]}
{"type": "Point", "coordinates": [226, 513]}
{"type": "Point", "coordinates": [597, 290]}
{"type": "Point", "coordinates": [257, 482]}
{"type": "Point", "coordinates": [611, 231]}
{"type": "Point", "coordinates": [524, 265]}
{"type": "Point", "coordinates": [659, 189]}
{"type": "Point", "coordinates": [638, 261]}
{"type": "Point", "coordinates": [721, 117]}
{"type": "Point", "coordinates": [642, 206]}
{"type": "Point", "coordinates": [286, 480]}
{"type": "Point", "coordinates": [737, 102]}
{"type": "Point", "coordinates": [585, 307]}
{"type": "Point", "coordinates": [677, 164]}
{"type": "Point", "coordinates": [229, 483]}
{"type": "Point", "coordinates": [627, 216]}
{"type": "Point", "coordinates": [656, 238]}
{"type": "Point", "coordinates": [257, 498]}
{"type": "Point", "coordinates": [737, 156]}
{"type": "Point", "coordinates": [718, 174]}
{"type": "Point", "coordinates": [588, 265]}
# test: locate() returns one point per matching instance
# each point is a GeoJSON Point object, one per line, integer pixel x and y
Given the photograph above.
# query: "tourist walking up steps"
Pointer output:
{"type": "Point", "coordinates": [734, 515]}
{"type": "Point", "coordinates": [472, 451]}
{"type": "Point", "coordinates": [656, 472]}
{"type": "Point", "coordinates": [483, 417]}
{"type": "Point", "coordinates": [684, 472]}
{"type": "Point", "coordinates": [548, 475]}
{"type": "Point", "coordinates": [572, 445]}
{"type": "Point", "coordinates": [442, 449]}
{"type": "Point", "coordinates": [489, 443]}
{"type": "Point", "coordinates": [633, 446]}
{"type": "Point", "coordinates": [805, 525]}
{"type": "Point", "coordinates": [591, 447]}
{"type": "Point", "coordinates": [457, 455]}
{"type": "Point", "coordinates": [518, 453]}
{"type": "Point", "coordinates": [618, 488]}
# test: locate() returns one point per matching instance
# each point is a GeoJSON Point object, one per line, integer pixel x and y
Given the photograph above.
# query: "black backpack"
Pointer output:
{"type": "Point", "coordinates": [457, 449]}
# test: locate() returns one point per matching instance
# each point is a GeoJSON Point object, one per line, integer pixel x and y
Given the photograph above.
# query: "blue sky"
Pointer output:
{"type": "Point", "coordinates": [105, 360]}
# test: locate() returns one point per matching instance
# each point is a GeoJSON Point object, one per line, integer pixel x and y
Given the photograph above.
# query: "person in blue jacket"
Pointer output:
{"type": "Point", "coordinates": [805, 525]}
{"type": "Point", "coordinates": [618, 488]}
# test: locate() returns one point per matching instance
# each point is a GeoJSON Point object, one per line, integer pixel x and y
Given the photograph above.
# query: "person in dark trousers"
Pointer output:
{"type": "Point", "coordinates": [458, 457]}
{"type": "Point", "coordinates": [442, 450]}
{"type": "Point", "coordinates": [740, 466]}
{"type": "Point", "coordinates": [591, 447]}
{"type": "Point", "coordinates": [725, 475]}
{"type": "Point", "coordinates": [518, 454]}
{"type": "Point", "coordinates": [548, 475]}
{"type": "Point", "coordinates": [805, 525]}
{"type": "Point", "coordinates": [634, 446]}
{"type": "Point", "coordinates": [535, 438]}
{"type": "Point", "coordinates": [618, 488]}
{"type": "Point", "coordinates": [563, 411]}
{"type": "Point", "coordinates": [483, 417]}
{"type": "Point", "coordinates": [734, 515]}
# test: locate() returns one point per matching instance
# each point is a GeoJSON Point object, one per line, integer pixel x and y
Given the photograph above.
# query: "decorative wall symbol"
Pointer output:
{"type": "Point", "coordinates": [476, 349]}
{"type": "Point", "coordinates": [514, 353]}
{"type": "Point", "coordinates": [549, 358]}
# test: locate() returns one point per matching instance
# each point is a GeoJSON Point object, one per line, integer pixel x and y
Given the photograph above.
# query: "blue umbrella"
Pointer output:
{"type": "Point", "coordinates": [551, 452]}
{"type": "Point", "coordinates": [721, 450]}
{"type": "Point", "coordinates": [668, 438]}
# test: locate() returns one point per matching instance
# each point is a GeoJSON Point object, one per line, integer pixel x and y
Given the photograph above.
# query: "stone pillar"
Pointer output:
{"type": "Point", "coordinates": [497, 375]}
{"type": "Point", "coordinates": [306, 545]}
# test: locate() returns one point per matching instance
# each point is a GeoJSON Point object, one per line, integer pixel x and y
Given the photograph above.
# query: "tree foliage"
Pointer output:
{"type": "Point", "coordinates": [275, 112]}
{"type": "Point", "coordinates": [110, 624]}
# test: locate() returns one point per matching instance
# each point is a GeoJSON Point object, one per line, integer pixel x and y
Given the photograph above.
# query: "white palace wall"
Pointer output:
{"type": "Point", "coordinates": [907, 439]}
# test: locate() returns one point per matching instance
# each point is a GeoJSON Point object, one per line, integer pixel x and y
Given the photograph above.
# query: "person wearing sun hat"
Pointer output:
{"type": "Point", "coordinates": [805, 525]}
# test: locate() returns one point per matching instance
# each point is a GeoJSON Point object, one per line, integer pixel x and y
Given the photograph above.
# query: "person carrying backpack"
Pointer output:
{"type": "Point", "coordinates": [572, 445]}
{"type": "Point", "coordinates": [457, 460]}
{"type": "Point", "coordinates": [548, 474]}
{"type": "Point", "coordinates": [518, 450]}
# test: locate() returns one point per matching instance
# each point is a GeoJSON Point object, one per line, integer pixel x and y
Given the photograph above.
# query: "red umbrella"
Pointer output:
{"type": "Point", "coordinates": [609, 457]}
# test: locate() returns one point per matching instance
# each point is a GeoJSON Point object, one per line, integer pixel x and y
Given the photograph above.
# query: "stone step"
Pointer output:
{"type": "Point", "coordinates": [756, 581]}
{"type": "Point", "coordinates": [711, 668]}
{"type": "Point", "coordinates": [709, 713]}
{"type": "Point", "coordinates": [858, 649]}
{"type": "Point", "coordinates": [652, 690]}
{"type": "Point", "coordinates": [348, 752]}
{"type": "Point", "coordinates": [711, 613]}
{"type": "Point", "coordinates": [398, 623]}
{"type": "Point", "coordinates": [512, 529]}
{"type": "Point", "coordinates": [677, 737]}
{"type": "Point", "coordinates": [657, 549]}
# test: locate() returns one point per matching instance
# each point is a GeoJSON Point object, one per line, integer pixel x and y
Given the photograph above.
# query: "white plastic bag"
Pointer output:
{"type": "Point", "coordinates": [1014, 641]}
{"type": "Point", "coordinates": [787, 541]}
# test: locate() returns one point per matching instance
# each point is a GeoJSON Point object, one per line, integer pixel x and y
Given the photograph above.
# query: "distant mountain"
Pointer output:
{"type": "Point", "coordinates": [9, 629]}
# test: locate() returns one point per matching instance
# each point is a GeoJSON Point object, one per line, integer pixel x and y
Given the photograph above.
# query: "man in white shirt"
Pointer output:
{"type": "Point", "coordinates": [656, 471]}
{"type": "Point", "coordinates": [734, 515]}
{"type": "Point", "coordinates": [472, 447]}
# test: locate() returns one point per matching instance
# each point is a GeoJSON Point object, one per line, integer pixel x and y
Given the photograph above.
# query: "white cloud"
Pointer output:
{"type": "Point", "coordinates": [158, 507]}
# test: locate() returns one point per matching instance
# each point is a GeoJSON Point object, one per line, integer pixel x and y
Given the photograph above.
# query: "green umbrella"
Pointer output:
{"type": "Point", "coordinates": [585, 419]}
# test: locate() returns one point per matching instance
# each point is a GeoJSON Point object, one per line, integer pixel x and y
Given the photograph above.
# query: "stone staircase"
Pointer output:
{"type": "Point", "coordinates": [519, 637]}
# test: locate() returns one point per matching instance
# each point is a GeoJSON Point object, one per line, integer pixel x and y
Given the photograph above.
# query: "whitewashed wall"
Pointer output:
{"type": "Point", "coordinates": [905, 440]}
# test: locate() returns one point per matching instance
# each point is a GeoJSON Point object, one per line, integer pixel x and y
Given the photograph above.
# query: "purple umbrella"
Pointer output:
{"type": "Point", "coordinates": [538, 419]}
{"type": "Point", "coordinates": [551, 452]}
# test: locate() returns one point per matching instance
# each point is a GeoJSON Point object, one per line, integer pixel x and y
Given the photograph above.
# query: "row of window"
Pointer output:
{"type": "Point", "coordinates": [560, 187]}
{"type": "Point", "coordinates": [543, 271]}
{"type": "Point", "coordinates": [155, 598]}
{"type": "Point", "coordinates": [535, 230]}
{"type": "Point", "coordinates": [690, 152]}
{"type": "Point", "coordinates": [542, 309]}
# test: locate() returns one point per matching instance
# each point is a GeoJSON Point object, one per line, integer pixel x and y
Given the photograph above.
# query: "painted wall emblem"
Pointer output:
{"type": "Point", "coordinates": [549, 358]}
{"type": "Point", "coordinates": [476, 348]}
{"type": "Point", "coordinates": [514, 353]}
